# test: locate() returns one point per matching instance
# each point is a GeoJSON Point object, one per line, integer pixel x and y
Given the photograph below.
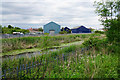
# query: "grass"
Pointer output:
{"type": "Point", "coordinates": [41, 42]}
{"type": "Point", "coordinates": [20, 51]}
{"type": "Point", "coordinates": [15, 52]}
{"type": "Point", "coordinates": [101, 61]}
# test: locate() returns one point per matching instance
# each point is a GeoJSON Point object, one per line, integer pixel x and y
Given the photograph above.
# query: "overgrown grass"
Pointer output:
{"type": "Point", "coordinates": [40, 42]}
{"type": "Point", "coordinates": [17, 62]}
{"type": "Point", "coordinates": [100, 62]}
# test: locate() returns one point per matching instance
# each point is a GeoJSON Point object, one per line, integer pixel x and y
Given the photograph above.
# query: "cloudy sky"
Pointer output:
{"type": "Point", "coordinates": [36, 13]}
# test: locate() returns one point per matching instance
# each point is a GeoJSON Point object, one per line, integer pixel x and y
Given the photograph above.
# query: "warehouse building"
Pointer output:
{"type": "Point", "coordinates": [52, 28]}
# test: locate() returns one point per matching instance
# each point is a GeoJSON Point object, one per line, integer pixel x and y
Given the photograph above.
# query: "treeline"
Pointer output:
{"type": "Point", "coordinates": [10, 29]}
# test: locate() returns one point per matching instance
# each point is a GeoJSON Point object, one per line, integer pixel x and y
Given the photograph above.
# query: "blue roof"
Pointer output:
{"type": "Point", "coordinates": [81, 29]}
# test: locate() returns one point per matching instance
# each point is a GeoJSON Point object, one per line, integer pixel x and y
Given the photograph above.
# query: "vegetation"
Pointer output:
{"type": "Point", "coordinates": [109, 13]}
{"type": "Point", "coordinates": [96, 58]}
{"type": "Point", "coordinates": [0, 29]}
{"type": "Point", "coordinates": [100, 61]}
{"type": "Point", "coordinates": [40, 42]}
{"type": "Point", "coordinates": [40, 29]}
{"type": "Point", "coordinates": [113, 32]}
{"type": "Point", "coordinates": [65, 32]}
{"type": "Point", "coordinates": [101, 32]}
{"type": "Point", "coordinates": [10, 29]}
{"type": "Point", "coordinates": [46, 34]}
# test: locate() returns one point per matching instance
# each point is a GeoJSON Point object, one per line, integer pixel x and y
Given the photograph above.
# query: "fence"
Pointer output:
{"type": "Point", "coordinates": [14, 36]}
{"type": "Point", "coordinates": [27, 35]}
{"type": "Point", "coordinates": [22, 70]}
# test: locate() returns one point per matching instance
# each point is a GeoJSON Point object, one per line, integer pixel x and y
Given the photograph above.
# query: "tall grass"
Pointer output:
{"type": "Point", "coordinates": [94, 63]}
{"type": "Point", "coordinates": [17, 62]}
{"type": "Point", "coordinates": [39, 42]}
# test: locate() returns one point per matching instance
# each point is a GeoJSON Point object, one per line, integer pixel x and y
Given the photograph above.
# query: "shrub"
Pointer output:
{"type": "Point", "coordinates": [63, 32]}
{"type": "Point", "coordinates": [95, 42]}
{"type": "Point", "coordinates": [46, 33]}
{"type": "Point", "coordinates": [69, 31]}
{"type": "Point", "coordinates": [113, 33]}
{"type": "Point", "coordinates": [101, 32]}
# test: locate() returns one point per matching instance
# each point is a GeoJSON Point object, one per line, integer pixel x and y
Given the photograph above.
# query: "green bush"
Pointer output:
{"type": "Point", "coordinates": [69, 31]}
{"type": "Point", "coordinates": [113, 33]}
{"type": "Point", "coordinates": [95, 42]}
{"type": "Point", "coordinates": [46, 33]}
{"type": "Point", "coordinates": [101, 32]}
{"type": "Point", "coordinates": [63, 32]}
{"type": "Point", "coordinates": [75, 65]}
{"type": "Point", "coordinates": [10, 29]}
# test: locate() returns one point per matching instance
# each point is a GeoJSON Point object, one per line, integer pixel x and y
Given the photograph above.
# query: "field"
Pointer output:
{"type": "Point", "coordinates": [79, 47]}
{"type": "Point", "coordinates": [96, 58]}
{"type": "Point", "coordinates": [15, 46]}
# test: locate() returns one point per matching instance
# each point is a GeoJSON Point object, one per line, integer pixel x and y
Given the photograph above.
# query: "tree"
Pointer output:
{"type": "Point", "coordinates": [69, 31]}
{"type": "Point", "coordinates": [63, 32]}
{"type": "Point", "coordinates": [40, 29]}
{"type": "Point", "coordinates": [113, 33]}
{"type": "Point", "coordinates": [62, 29]}
{"type": "Point", "coordinates": [10, 29]}
{"type": "Point", "coordinates": [9, 26]}
{"type": "Point", "coordinates": [17, 28]}
{"type": "Point", "coordinates": [0, 29]}
{"type": "Point", "coordinates": [109, 13]}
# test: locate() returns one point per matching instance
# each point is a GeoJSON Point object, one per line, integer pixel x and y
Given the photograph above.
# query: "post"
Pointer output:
{"type": "Point", "coordinates": [20, 70]}
{"type": "Point", "coordinates": [5, 73]}
{"type": "Point", "coordinates": [82, 50]}
{"type": "Point", "coordinates": [29, 68]}
{"type": "Point", "coordinates": [23, 70]}
{"type": "Point", "coordinates": [63, 56]}
{"type": "Point", "coordinates": [26, 69]}
{"type": "Point", "coordinates": [35, 64]}
{"type": "Point", "coordinates": [9, 72]}
{"type": "Point", "coordinates": [0, 74]}
{"type": "Point", "coordinates": [32, 66]}
{"type": "Point", "coordinates": [17, 71]}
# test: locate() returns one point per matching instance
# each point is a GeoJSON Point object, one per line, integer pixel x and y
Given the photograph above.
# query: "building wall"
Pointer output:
{"type": "Point", "coordinates": [51, 26]}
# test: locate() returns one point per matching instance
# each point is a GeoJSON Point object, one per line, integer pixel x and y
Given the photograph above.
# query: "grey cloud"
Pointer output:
{"type": "Point", "coordinates": [19, 8]}
{"type": "Point", "coordinates": [69, 12]}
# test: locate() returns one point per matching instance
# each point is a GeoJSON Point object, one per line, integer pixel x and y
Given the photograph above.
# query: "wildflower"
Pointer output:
{"type": "Point", "coordinates": [87, 56]}
{"type": "Point", "coordinates": [98, 54]}
{"type": "Point", "coordinates": [93, 61]}
{"type": "Point", "coordinates": [68, 64]}
{"type": "Point", "coordinates": [81, 57]}
{"type": "Point", "coordinates": [91, 56]}
{"type": "Point", "coordinates": [87, 60]}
